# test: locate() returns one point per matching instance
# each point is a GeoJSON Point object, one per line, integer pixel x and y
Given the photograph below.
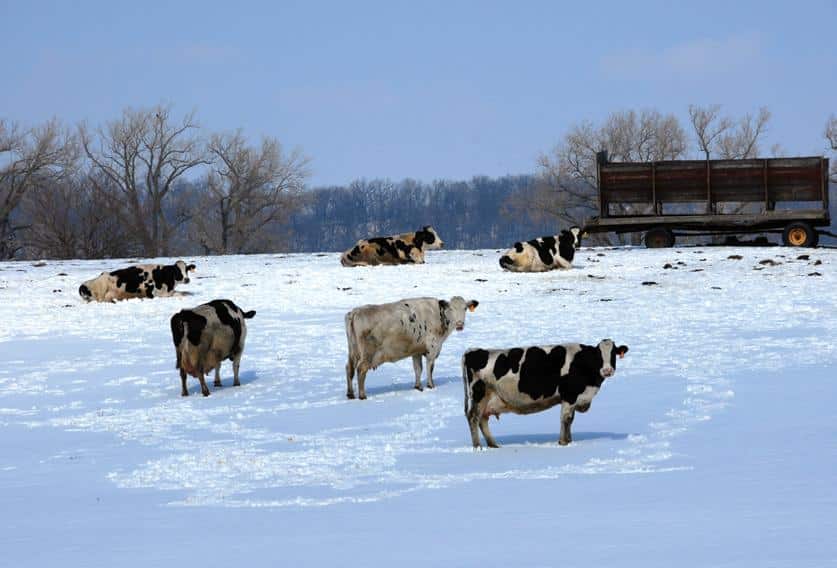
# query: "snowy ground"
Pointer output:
{"type": "Point", "coordinates": [714, 445]}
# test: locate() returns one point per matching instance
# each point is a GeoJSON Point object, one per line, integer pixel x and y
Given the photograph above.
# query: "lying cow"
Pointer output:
{"type": "Point", "coordinates": [544, 253]}
{"type": "Point", "coordinates": [532, 379]}
{"type": "Point", "coordinates": [205, 336]}
{"type": "Point", "coordinates": [139, 281]}
{"type": "Point", "coordinates": [408, 248]}
{"type": "Point", "coordinates": [387, 333]}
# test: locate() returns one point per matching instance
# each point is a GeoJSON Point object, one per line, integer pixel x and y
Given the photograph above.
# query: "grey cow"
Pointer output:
{"type": "Point", "coordinates": [386, 333]}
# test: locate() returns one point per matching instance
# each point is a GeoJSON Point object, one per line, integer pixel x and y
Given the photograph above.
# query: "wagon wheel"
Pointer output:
{"type": "Point", "coordinates": [659, 237]}
{"type": "Point", "coordinates": [800, 234]}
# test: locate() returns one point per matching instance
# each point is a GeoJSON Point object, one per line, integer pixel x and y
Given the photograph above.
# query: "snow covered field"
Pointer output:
{"type": "Point", "coordinates": [715, 444]}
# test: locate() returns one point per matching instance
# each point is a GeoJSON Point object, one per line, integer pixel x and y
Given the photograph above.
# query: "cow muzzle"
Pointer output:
{"type": "Point", "coordinates": [607, 372]}
{"type": "Point", "coordinates": [460, 326]}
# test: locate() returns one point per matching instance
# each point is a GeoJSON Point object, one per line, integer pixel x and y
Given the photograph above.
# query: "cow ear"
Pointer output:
{"type": "Point", "coordinates": [621, 350]}
{"type": "Point", "coordinates": [190, 268]}
{"type": "Point", "coordinates": [472, 305]}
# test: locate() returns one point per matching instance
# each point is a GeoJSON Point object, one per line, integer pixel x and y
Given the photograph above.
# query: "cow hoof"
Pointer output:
{"type": "Point", "coordinates": [206, 393]}
{"type": "Point", "coordinates": [563, 442]}
{"type": "Point", "coordinates": [236, 384]}
{"type": "Point", "coordinates": [184, 394]}
{"type": "Point", "coordinates": [350, 395]}
{"type": "Point", "coordinates": [362, 397]}
{"type": "Point", "coordinates": [217, 385]}
{"type": "Point", "coordinates": [493, 445]}
{"type": "Point", "coordinates": [431, 386]}
{"type": "Point", "coordinates": [418, 388]}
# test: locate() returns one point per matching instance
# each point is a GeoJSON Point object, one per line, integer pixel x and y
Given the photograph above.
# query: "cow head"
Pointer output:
{"type": "Point", "coordinates": [569, 239]}
{"type": "Point", "coordinates": [575, 231]}
{"type": "Point", "coordinates": [453, 311]}
{"type": "Point", "coordinates": [184, 269]}
{"type": "Point", "coordinates": [95, 288]}
{"type": "Point", "coordinates": [427, 238]}
{"type": "Point", "coordinates": [608, 352]}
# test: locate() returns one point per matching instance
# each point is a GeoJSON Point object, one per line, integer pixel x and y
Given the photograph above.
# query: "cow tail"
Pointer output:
{"type": "Point", "coordinates": [350, 333]}
{"type": "Point", "coordinates": [178, 331]}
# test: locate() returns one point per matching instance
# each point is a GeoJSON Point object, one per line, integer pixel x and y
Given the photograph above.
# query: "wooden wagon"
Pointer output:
{"type": "Point", "coordinates": [668, 198]}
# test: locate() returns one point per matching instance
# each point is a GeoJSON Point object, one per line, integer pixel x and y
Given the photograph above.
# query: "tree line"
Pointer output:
{"type": "Point", "coordinates": [150, 183]}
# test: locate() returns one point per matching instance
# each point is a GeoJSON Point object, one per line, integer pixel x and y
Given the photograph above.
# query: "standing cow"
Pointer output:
{"type": "Point", "coordinates": [138, 281]}
{"type": "Point", "coordinates": [386, 333]}
{"type": "Point", "coordinates": [532, 379]}
{"type": "Point", "coordinates": [206, 335]}
{"type": "Point", "coordinates": [544, 253]}
{"type": "Point", "coordinates": [407, 248]}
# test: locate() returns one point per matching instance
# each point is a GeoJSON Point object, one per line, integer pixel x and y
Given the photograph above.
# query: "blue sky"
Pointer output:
{"type": "Point", "coordinates": [420, 89]}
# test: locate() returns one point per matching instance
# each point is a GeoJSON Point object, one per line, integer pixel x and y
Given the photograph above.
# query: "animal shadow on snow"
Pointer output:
{"type": "Point", "coordinates": [405, 384]}
{"type": "Point", "coordinates": [244, 377]}
{"type": "Point", "coordinates": [513, 439]}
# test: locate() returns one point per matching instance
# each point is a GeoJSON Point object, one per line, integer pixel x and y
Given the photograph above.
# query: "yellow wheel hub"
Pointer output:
{"type": "Point", "coordinates": [797, 237]}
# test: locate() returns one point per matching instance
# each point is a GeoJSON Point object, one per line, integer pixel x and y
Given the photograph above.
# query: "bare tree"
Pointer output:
{"type": "Point", "coordinates": [76, 217]}
{"type": "Point", "coordinates": [708, 126]}
{"type": "Point", "coordinates": [30, 159]}
{"type": "Point", "coordinates": [144, 153]}
{"type": "Point", "coordinates": [249, 191]}
{"type": "Point", "coordinates": [725, 138]}
{"type": "Point", "coordinates": [742, 140]}
{"type": "Point", "coordinates": [566, 186]}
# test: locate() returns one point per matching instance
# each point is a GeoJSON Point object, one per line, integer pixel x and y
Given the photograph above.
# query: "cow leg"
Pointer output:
{"type": "Point", "coordinates": [362, 369]}
{"type": "Point", "coordinates": [183, 390]}
{"type": "Point", "coordinates": [417, 369]}
{"type": "Point", "coordinates": [236, 367]}
{"type": "Point", "coordinates": [204, 388]}
{"type": "Point", "coordinates": [431, 364]}
{"type": "Point", "coordinates": [217, 382]}
{"type": "Point", "coordinates": [567, 415]}
{"type": "Point", "coordinates": [473, 421]}
{"type": "Point", "coordinates": [350, 373]}
{"type": "Point", "coordinates": [486, 433]}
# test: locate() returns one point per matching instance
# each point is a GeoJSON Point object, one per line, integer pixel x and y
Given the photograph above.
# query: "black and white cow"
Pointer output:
{"type": "Point", "coordinates": [206, 335]}
{"type": "Point", "coordinates": [406, 248]}
{"type": "Point", "coordinates": [139, 281]}
{"type": "Point", "coordinates": [544, 253]}
{"type": "Point", "coordinates": [531, 379]}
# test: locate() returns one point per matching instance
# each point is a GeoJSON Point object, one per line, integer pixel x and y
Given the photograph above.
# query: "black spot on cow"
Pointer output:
{"type": "Point", "coordinates": [405, 248]}
{"type": "Point", "coordinates": [545, 247]}
{"type": "Point", "coordinates": [166, 275]}
{"type": "Point", "coordinates": [355, 252]}
{"type": "Point", "coordinates": [85, 292]}
{"type": "Point", "coordinates": [566, 245]}
{"type": "Point", "coordinates": [583, 372]}
{"type": "Point", "coordinates": [193, 323]}
{"type": "Point", "coordinates": [130, 277]}
{"type": "Point", "coordinates": [477, 391]}
{"type": "Point", "coordinates": [476, 359]}
{"type": "Point", "coordinates": [518, 247]}
{"type": "Point", "coordinates": [384, 246]}
{"type": "Point", "coordinates": [425, 236]}
{"type": "Point", "coordinates": [540, 372]}
{"type": "Point", "coordinates": [508, 362]}
{"type": "Point", "coordinates": [223, 309]}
